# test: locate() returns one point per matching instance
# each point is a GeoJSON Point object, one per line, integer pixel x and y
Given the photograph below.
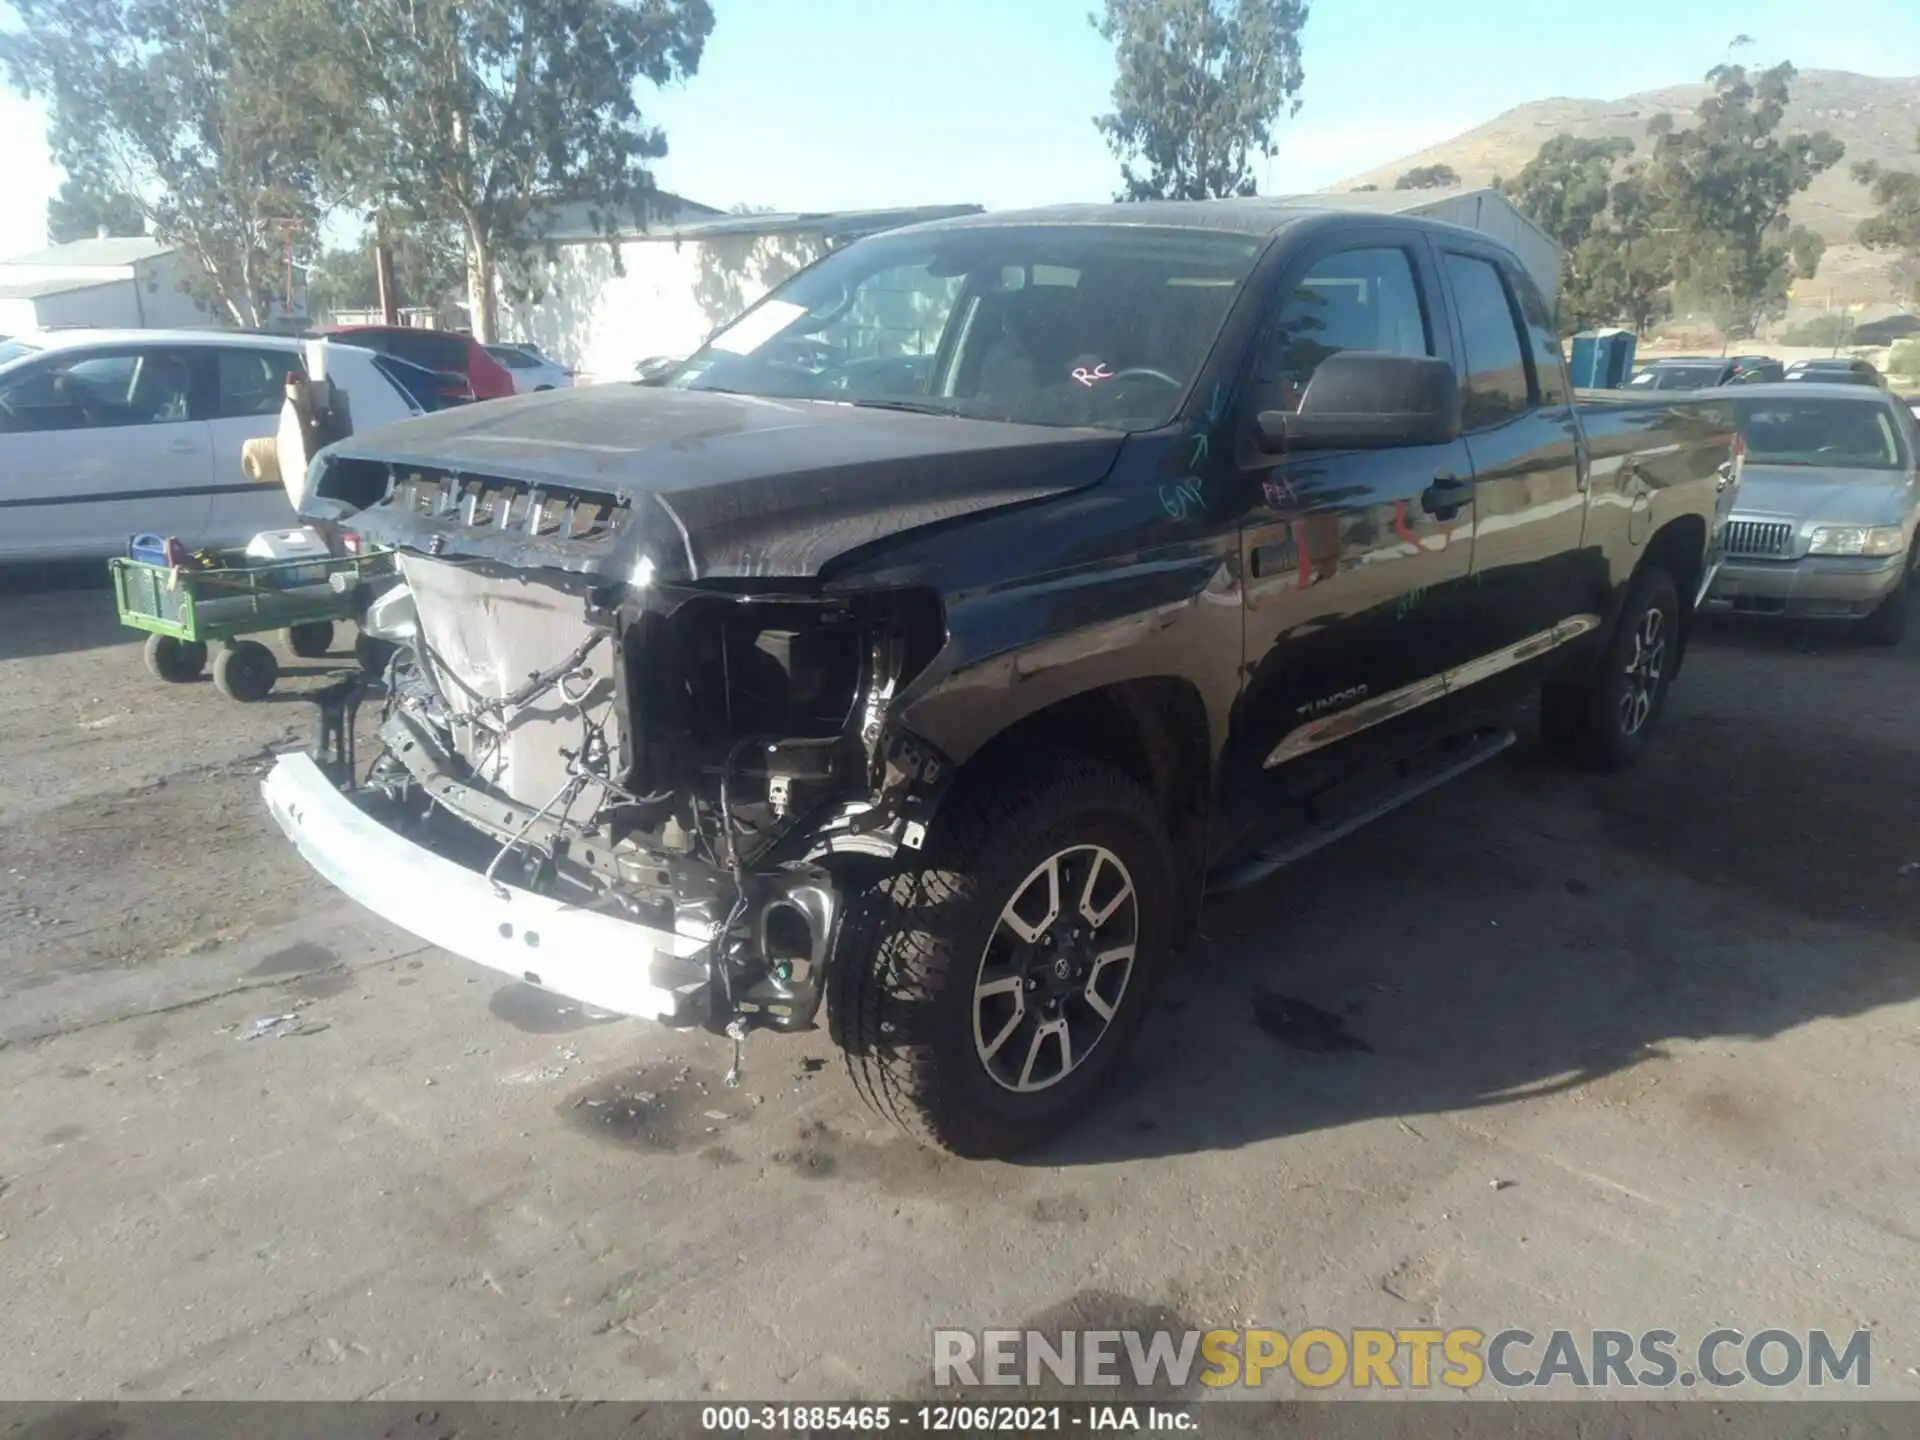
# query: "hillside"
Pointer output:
{"type": "Point", "coordinates": [1875, 118]}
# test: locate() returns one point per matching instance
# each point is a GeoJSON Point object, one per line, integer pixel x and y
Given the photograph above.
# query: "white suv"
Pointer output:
{"type": "Point", "coordinates": [105, 434]}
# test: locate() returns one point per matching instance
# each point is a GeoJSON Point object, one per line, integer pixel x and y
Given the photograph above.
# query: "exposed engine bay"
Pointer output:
{"type": "Point", "coordinates": [710, 762]}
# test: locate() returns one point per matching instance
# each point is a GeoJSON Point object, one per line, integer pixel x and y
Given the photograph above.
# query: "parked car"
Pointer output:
{"type": "Point", "coordinates": [453, 352]}
{"type": "Point", "coordinates": [107, 433]}
{"type": "Point", "coordinates": [1170, 543]}
{"type": "Point", "coordinates": [1693, 372]}
{"type": "Point", "coordinates": [1840, 370]}
{"type": "Point", "coordinates": [431, 390]}
{"type": "Point", "coordinates": [1824, 528]}
{"type": "Point", "coordinates": [1885, 332]}
{"type": "Point", "coordinates": [531, 370]}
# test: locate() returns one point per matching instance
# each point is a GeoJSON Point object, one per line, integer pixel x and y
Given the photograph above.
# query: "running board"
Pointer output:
{"type": "Point", "coordinates": [1264, 861]}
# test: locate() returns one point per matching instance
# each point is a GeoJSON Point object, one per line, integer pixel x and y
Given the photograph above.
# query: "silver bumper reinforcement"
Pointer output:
{"type": "Point", "coordinates": [600, 960]}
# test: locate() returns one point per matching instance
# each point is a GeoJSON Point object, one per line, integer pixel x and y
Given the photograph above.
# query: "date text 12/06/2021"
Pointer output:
{"type": "Point", "coordinates": [964, 1419]}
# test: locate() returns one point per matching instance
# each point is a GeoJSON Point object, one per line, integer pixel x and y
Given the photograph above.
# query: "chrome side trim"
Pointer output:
{"type": "Point", "coordinates": [1317, 734]}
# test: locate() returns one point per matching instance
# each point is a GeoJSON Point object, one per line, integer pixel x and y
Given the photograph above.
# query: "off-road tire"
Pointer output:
{"type": "Point", "coordinates": [901, 985]}
{"type": "Point", "coordinates": [1585, 721]}
{"type": "Point", "coordinates": [311, 641]}
{"type": "Point", "coordinates": [1887, 625]}
{"type": "Point", "coordinates": [245, 671]}
{"type": "Point", "coordinates": [178, 662]}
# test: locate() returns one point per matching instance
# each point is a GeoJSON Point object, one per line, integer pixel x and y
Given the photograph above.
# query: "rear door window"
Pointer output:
{"type": "Point", "coordinates": [1549, 360]}
{"type": "Point", "coordinates": [1499, 383]}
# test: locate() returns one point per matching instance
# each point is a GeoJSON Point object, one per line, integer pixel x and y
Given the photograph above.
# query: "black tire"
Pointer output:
{"type": "Point", "coordinates": [901, 997]}
{"type": "Point", "coordinates": [1602, 721]}
{"type": "Point", "coordinates": [1887, 625]}
{"type": "Point", "coordinates": [178, 662]}
{"type": "Point", "coordinates": [311, 641]}
{"type": "Point", "coordinates": [245, 671]}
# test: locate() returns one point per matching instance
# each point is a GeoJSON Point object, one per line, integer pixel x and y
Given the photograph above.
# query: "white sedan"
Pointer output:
{"type": "Point", "coordinates": [105, 434]}
{"type": "Point", "coordinates": [531, 368]}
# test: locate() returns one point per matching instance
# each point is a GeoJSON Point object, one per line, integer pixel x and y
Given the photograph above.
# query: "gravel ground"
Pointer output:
{"type": "Point", "coordinates": [1538, 1051]}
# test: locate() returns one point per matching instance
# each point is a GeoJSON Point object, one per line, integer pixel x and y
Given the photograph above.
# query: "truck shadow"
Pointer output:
{"type": "Point", "coordinates": [1529, 931]}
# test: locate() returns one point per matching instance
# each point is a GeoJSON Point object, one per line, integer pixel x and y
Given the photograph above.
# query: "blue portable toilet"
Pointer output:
{"type": "Point", "coordinates": [1603, 359]}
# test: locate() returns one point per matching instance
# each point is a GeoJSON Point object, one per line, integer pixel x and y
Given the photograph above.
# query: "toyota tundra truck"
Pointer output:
{"type": "Point", "coordinates": [918, 654]}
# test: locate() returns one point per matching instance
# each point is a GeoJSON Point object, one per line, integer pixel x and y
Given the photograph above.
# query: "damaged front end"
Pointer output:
{"type": "Point", "coordinates": [654, 796]}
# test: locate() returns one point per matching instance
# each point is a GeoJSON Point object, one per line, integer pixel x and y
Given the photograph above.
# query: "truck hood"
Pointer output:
{"type": "Point", "coordinates": [703, 484]}
{"type": "Point", "coordinates": [1831, 497]}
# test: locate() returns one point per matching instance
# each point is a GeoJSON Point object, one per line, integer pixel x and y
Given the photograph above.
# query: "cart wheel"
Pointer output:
{"type": "Point", "coordinates": [245, 671]}
{"type": "Point", "coordinates": [311, 641]}
{"type": "Point", "coordinates": [175, 661]}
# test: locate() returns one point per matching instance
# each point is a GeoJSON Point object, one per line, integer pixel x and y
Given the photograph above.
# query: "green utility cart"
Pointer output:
{"type": "Point", "coordinates": [184, 609]}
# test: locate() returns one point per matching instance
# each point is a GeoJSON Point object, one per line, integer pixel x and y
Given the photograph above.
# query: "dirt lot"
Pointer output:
{"type": "Point", "coordinates": [1538, 1051]}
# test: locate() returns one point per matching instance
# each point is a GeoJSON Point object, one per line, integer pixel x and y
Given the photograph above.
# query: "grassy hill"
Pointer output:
{"type": "Point", "coordinates": [1875, 118]}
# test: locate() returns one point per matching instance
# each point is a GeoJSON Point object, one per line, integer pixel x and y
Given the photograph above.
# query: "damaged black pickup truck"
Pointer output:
{"type": "Point", "coordinates": [926, 647]}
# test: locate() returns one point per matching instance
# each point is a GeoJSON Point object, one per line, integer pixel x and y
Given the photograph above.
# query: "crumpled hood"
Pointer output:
{"type": "Point", "coordinates": [1828, 497]}
{"type": "Point", "coordinates": [715, 485]}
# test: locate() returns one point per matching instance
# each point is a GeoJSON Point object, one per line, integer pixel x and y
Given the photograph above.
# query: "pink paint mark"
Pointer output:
{"type": "Point", "coordinates": [1400, 526]}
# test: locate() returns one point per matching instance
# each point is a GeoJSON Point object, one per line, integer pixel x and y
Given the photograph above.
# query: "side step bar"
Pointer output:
{"type": "Point", "coordinates": [1264, 861]}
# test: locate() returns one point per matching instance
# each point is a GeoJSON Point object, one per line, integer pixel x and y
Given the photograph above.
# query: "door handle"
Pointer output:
{"type": "Point", "coordinates": [1448, 492]}
{"type": "Point", "coordinates": [183, 447]}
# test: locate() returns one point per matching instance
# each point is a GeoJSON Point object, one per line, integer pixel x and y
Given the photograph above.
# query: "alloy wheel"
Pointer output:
{"type": "Point", "coordinates": [1645, 665]}
{"type": "Point", "coordinates": [1056, 968]}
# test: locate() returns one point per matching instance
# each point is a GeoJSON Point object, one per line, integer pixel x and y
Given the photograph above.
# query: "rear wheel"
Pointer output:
{"type": "Point", "coordinates": [175, 661]}
{"type": "Point", "coordinates": [988, 994]}
{"type": "Point", "coordinates": [1602, 721]}
{"type": "Point", "coordinates": [311, 641]}
{"type": "Point", "coordinates": [245, 671]}
{"type": "Point", "coordinates": [1887, 625]}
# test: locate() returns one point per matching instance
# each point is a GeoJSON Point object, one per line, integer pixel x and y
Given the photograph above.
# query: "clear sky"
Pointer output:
{"type": "Point", "coordinates": [835, 104]}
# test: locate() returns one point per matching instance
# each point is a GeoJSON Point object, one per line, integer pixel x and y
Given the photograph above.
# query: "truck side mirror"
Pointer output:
{"type": "Point", "coordinates": [1369, 400]}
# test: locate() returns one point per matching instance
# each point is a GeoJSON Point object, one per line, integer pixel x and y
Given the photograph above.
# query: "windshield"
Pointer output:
{"type": "Point", "coordinates": [1677, 377]}
{"type": "Point", "coordinates": [12, 350]}
{"type": "Point", "coordinates": [1046, 325]}
{"type": "Point", "coordinates": [1829, 434]}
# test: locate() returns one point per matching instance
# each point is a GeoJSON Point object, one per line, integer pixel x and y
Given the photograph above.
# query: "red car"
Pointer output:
{"type": "Point", "coordinates": [453, 352]}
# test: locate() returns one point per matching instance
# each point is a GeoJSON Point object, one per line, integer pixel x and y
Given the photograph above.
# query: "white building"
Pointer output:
{"type": "Point", "coordinates": [130, 282]}
{"type": "Point", "coordinates": [690, 271]}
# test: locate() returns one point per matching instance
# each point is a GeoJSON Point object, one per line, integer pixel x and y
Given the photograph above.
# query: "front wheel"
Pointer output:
{"type": "Point", "coordinates": [1602, 721]}
{"type": "Point", "coordinates": [988, 994]}
{"type": "Point", "coordinates": [245, 671]}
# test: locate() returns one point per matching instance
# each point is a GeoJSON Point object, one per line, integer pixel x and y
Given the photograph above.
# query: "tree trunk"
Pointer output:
{"type": "Point", "coordinates": [383, 274]}
{"type": "Point", "coordinates": [480, 296]}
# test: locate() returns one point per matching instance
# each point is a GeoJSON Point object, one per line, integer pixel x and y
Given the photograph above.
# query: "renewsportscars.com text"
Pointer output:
{"type": "Point", "coordinates": [1412, 1359]}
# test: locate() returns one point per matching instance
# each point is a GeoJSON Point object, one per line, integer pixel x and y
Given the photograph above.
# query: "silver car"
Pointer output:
{"type": "Point", "coordinates": [1824, 524]}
